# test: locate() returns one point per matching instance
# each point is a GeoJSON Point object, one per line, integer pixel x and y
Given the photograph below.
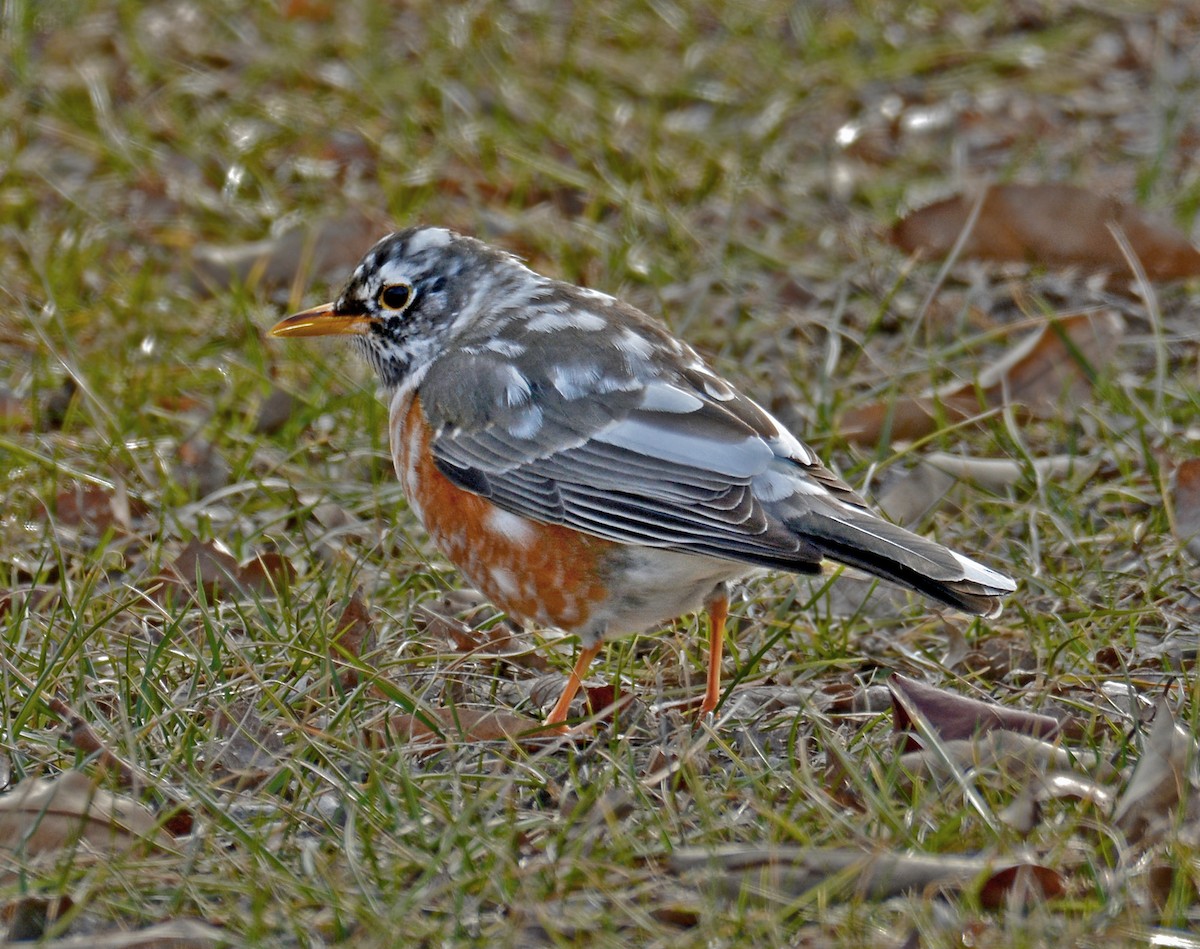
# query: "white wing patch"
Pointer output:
{"type": "Point", "coordinates": [741, 459]}
{"type": "Point", "coordinates": [552, 322]}
{"type": "Point", "coordinates": [516, 387]}
{"type": "Point", "coordinates": [978, 573]}
{"type": "Point", "coordinates": [527, 424]}
{"type": "Point", "coordinates": [663, 397]}
{"type": "Point", "coordinates": [574, 380]}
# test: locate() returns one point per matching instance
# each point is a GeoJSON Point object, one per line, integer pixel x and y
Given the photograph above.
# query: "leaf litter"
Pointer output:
{"type": "Point", "coordinates": [1096, 581]}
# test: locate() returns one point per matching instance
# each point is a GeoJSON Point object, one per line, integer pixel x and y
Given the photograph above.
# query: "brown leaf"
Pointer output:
{"type": "Point", "coordinates": [246, 748]}
{"type": "Point", "coordinates": [786, 872]}
{"type": "Point", "coordinates": [319, 251]}
{"type": "Point", "coordinates": [1026, 879]}
{"type": "Point", "coordinates": [1187, 506]}
{"type": "Point", "coordinates": [209, 566]}
{"type": "Point", "coordinates": [173, 934]}
{"type": "Point", "coordinates": [267, 572]}
{"type": "Point", "coordinates": [953, 716]}
{"type": "Point", "coordinates": [203, 565]}
{"type": "Point", "coordinates": [43, 815]}
{"type": "Point", "coordinates": [454, 725]}
{"type": "Point", "coordinates": [1160, 779]}
{"type": "Point", "coordinates": [494, 642]}
{"type": "Point", "coordinates": [1054, 225]}
{"type": "Point", "coordinates": [1021, 757]}
{"type": "Point", "coordinates": [354, 636]}
{"type": "Point", "coordinates": [1045, 370]}
{"type": "Point", "coordinates": [274, 412]}
{"type": "Point", "coordinates": [97, 507]}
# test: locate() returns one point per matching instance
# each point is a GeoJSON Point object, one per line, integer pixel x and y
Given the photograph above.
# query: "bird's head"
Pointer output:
{"type": "Point", "coordinates": [410, 295]}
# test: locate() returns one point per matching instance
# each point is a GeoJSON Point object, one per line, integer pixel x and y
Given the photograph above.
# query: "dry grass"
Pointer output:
{"type": "Point", "coordinates": [733, 168]}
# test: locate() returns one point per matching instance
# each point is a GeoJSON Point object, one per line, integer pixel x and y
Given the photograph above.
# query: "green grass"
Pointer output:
{"type": "Point", "coordinates": [687, 159]}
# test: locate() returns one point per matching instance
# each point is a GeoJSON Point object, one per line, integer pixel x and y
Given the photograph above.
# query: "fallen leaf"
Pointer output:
{"type": "Point", "coordinates": [245, 749]}
{"type": "Point", "coordinates": [1023, 880]}
{"type": "Point", "coordinates": [173, 934]}
{"type": "Point", "coordinates": [1049, 368]}
{"type": "Point", "coordinates": [918, 492]}
{"type": "Point", "coordinates": [444, 726]}
{"type": "Point", "coordinates": [1160, 779]}
{"type": "Point", "coordinates": [354, 636]}
{"type": "Point", "coordinates": [1021, 757]}
{"type": "Point", "coordinates": [274, 412]}
{"type": "Point", "coordinates": [207, 565]}
{"type": "Point", "coordinates": [784, 873]}
{"type": "Point", "coordinates": [1187, 506]}
{"type": "Point", "coordinates": [314, 252]}
{"type": "Point", "coordinates": [267, 572]}
{"type": "Point", "coordinates": [493, 642]}
{"type": "Point", "coordinates": [45, 815]}
{"type": "Point", "coordinates": [1054, 225]}
{"type": "Point", "coordinates": [97, 507]}
{"type": "Point", "coordinates": [952, 716]}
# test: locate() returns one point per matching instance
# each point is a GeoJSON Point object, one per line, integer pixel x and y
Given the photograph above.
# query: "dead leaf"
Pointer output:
{"type": "Point", "coordinates": [912, 496]}
{"type": "Point", "coordinates": [1020, 757]}
{"type": "Point", "coordinates": [83, 737]}
{"type": "Point", "coordinates": [274, 412]}
{"type": "Point", "coordinates": [456, 725]}
{"type": "Point", "coordinates": [953, 716]}
{"type": "Point", "coordinates": [45, 815]}
{"type": "Point", "coordinates": [207, 565]}
{"type": "Point", "coordinates": [1021, 881]}
{"type": "Point", "coordinates": [267, 572]}
{"type": "Point", "coordinates": [173, 934]}
{"type": "Point", "coordinates": [1054, 225]}
{"type": "Point", "coordinates": [97, 507]}
{"type": "Point", "coordinates": [1160, 780]}
{"type": "Point", "coordinates": [246, 749]}
{"type": "Point", "coordinates": [354, 636]}
{"type": "Point", "coordinates": [201, 469]}
{"type": "Point", "coordinates": [315, 252]}
{"type": "Point", "coordinates": [1049, 368]}
{"type": "Point", "coordinates": [494, 642]}
{"type": "Point", "coordinates": [1187, 506]}
{"type": "Point", "coordinates": [784, 873]}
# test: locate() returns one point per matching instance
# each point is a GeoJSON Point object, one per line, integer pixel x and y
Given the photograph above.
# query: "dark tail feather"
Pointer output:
{"type": "Point", "coordinates": [860, 539]}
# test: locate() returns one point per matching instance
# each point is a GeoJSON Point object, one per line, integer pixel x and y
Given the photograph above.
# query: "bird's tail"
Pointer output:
{"type": "Point", "coordinates": [860, 539]}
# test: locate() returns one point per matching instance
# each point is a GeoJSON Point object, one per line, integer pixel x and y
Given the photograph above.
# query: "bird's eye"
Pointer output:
{"type": "Point", "coordinates": [395, 296]}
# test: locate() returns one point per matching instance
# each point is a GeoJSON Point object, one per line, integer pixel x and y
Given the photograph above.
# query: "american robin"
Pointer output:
{"type": "Point", "coordinates": [587, 470]}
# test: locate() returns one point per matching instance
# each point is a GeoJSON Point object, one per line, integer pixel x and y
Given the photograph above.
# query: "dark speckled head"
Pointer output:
{"type": "Point", "coordinates": [410, 295]}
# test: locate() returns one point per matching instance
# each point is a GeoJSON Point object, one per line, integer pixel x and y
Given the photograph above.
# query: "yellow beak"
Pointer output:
{"type": "Point", "coordinates": [322, 320]}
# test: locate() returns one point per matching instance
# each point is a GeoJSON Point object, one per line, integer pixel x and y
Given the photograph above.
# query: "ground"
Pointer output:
{"type": "Point", "coordinates": [194, 513]}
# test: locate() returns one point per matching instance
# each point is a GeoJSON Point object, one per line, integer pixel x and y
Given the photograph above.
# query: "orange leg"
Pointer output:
{"type": "Point", "coordinates": [558, 714]}
{"type": "Point", "coordinates": [718, 612]}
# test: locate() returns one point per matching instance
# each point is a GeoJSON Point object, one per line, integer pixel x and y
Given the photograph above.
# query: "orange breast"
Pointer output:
{"type": "Point", "coordinates": [541, 573]}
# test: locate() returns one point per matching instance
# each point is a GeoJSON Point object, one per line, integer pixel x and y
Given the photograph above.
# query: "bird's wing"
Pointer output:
{"type": "Point", "coordinates": [634, 441]}
{"type": "Point", "coordinates": [629, 437]}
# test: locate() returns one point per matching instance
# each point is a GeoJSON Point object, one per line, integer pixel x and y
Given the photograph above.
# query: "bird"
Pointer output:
{"type": "Point", "coordinates": [586, 469]}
